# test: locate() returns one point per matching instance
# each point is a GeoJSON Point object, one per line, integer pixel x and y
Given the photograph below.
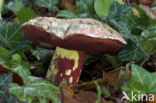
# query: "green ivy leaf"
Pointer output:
{"type": "Point", "coordinates": [117, 18]}
{"type": "Point", "coordinates": [102, 7]}
{"type": "Point", "coordinates": [20, 67]}
{"type": "Point", "coordinates": [15, 64]}
{"type": "Point", "coordinates": [141, 82]}
{"type": "Point", "coordinates": [5, 80]}
{"type": "Point", "coordinates": [66, 14]}
{"type": "Point", "coordinates": [85, 6]}
{"type": "Point", "coordinates": [26, 14]}
{"type": "Point", "coordinates": [139, 49]}
{"type": "Point", "coordinates": [50, 4]}
{"type": "Point", "coordinates": [38, 52]}
{"type": "Point", "coordinates": [15, 6]}
{"type": "Point", "coordinates": [3, 53]}
{"type": "Point", "coordinates": [138, 30]}
{"type": "Point", "coordinates": [16, 58]}
{"type": "Point", "coordinates": [139, 22]}
{"type": "Point", "coordinates": [85, 9]}
{"type": "Point", "coordinates": [12, 37]}
{"type": "Point", "coordinates": [130, 53]}
{"type": "Point", "coordinates": [35, 87]}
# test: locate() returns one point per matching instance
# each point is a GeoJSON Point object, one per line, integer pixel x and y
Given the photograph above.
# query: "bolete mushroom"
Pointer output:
{"type": "Point", "coordinates": [73, 38]}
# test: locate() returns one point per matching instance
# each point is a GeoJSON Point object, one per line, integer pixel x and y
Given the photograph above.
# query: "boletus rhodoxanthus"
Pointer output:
{"type": "Point", "coordinates": [72, 38]}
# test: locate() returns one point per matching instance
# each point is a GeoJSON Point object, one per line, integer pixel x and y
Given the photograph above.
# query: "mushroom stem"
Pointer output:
{"type": "Point", "coordinates": [66, 66]}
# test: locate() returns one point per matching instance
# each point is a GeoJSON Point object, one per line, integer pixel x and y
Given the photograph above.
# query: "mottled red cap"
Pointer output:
{"type": "Point", "coordinates": [87, 35]}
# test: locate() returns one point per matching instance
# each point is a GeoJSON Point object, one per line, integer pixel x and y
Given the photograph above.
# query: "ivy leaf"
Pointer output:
{"type": "Point", "coordinates": [122, 26]}
{"type": "Point", "coordinates": [139, 21]}
{"type": "Point", "coordinates": [140, 35]}
{"type": "Point", "coordinates": [15, 6]}
{"type": "Point", "coordinates": [15, 64]}
{"type": "Point", "coordinates": [102, 7]}
{"type": "Point", "coordinates": [85, 6]}
{"type": "Point", "coordinates": [5, 80]}
{"type": "Point", "coordinates": [66, 14]}
{"type": "Point", "coordinates": [20, 67]}
{"type": "Point", "coordinates": [38, 52]}
{"type": "Point", "coordinates": [3, 57]}
{"type": "Point", "coordinates": [117, 18]}
{"type": "Point", "coordinates": [152, 28]}
{"type": "Point", "coordinates": [139, 49]}
{"type": "Point", "coordinates": [141, 82]}
{"type": "Point", "coordinates": [85, 9]}
{"type": "Point", "coordinates": [3, 53]}
{"type": "Point", "coordinates": [50, 4]}
{"type": "Point", "coordinates": [12, 37]}
{"type": "Point", "coordinates": [143, 17]}
{"type": "Point", "coordinates": [130, 53]}
{"type": "Point", "coordinates": [35, 87]}
{"type": "Point", "coordinates": [26, 14]}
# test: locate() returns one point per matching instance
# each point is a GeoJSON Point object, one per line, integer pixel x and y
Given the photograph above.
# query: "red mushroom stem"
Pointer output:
{"type": "Point", "coordinates": [66, 66]}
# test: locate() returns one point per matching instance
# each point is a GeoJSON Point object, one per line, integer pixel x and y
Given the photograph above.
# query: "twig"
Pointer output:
{"type": "Point", "coordinates": [62, 95]}
{"type": "Point", "coordinates": [145, 60]}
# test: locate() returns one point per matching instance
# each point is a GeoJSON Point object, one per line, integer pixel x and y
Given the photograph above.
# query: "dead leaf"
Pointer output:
{"type": "Point", "coordinates": [112, 76]}
{"type": "Point", "coordinates": [146, 2]}
{"type": "Point", "coordinates": [83, 97]}
{"type": "Point", "coordinates": [87, 86]}
{"type": "Point", "coordinates": [66, 4]}
{"type": "Point", "coordinates": [68, 92]}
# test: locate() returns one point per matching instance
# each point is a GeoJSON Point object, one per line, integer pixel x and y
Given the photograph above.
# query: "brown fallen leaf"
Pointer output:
{"type": "Point", "coordinates": [146, 2]}
{"type": "Point", "coordinates": [88, 86]}
{"type": "Point", "coordinates": [109, 79]}
{"type": "Point", "coordinates": [66, 4]}
{"type": "Point", "coordinates": [111, 76]}
{"type": "Point", "coordinates": [16, 78]}
{"type": "Point", "coordinates": [68, 92]}
{"type": "Point", "coordinates": [83, 97]}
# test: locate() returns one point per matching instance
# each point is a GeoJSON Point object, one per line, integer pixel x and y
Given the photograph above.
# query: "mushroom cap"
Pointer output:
{"type": "Point", "coordinates": [87, 35]}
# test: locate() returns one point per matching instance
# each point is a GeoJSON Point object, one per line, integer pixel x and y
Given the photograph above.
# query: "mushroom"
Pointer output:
{"type": "Point", "coordinates": [72, 38]}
